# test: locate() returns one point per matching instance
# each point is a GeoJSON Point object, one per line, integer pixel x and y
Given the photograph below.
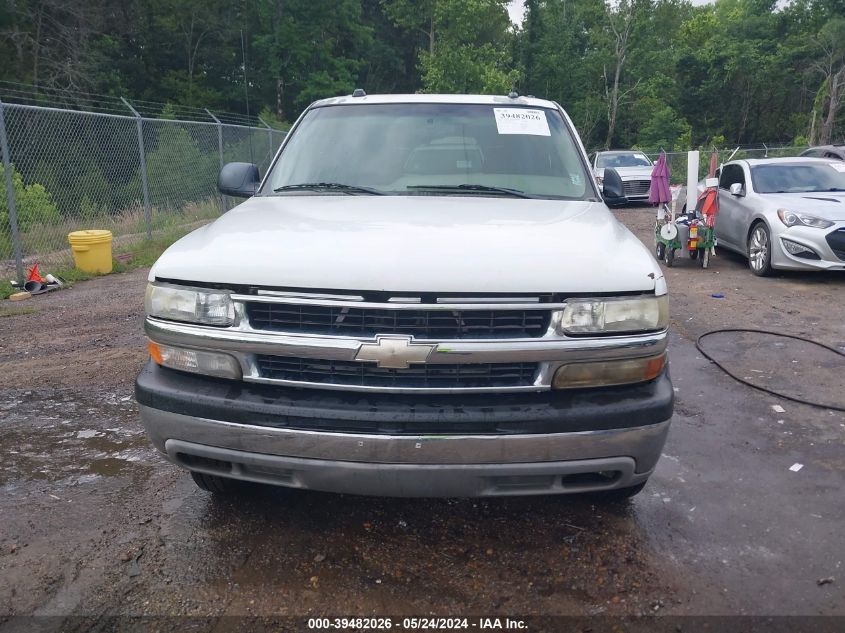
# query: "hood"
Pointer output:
{"type": "Point", "coordinates": [825, 205]}
{"type": "Point", "coordinates": [415, 244]}
{"type": "Point", "coordinates": [629, 173]}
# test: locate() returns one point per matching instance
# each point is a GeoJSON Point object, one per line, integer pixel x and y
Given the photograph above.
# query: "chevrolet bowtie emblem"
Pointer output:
{"type": "Point", "coordinates": [394, 352]}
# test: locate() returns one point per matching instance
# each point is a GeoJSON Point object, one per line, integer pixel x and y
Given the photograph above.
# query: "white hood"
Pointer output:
{"type": "Point", "coordinates": [415, 244]}
{"type": "Point", "coordinates": [635, 173]}
{"type": "Point", "coordinates": [629, 173]}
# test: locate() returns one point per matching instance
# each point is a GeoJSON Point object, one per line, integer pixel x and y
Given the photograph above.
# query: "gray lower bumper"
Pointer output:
{"type": "Point", "coordinates": [410, 466]}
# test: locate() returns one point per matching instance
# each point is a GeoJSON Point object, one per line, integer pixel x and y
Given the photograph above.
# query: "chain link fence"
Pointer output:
{"type": "Point", "coordinates": [678, 161]}
{"type": "Point", "coordinates": [67, 170]}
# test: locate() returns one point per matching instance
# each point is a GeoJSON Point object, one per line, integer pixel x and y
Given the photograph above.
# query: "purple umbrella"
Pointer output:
{"type": "Point", "coordinates": [658, 192]}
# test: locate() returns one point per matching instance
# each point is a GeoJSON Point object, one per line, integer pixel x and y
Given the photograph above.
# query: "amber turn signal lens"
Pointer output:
{"type": "Point", "coordinates": [155, 352]}
{"type": "Point", "coordinates": [609, 373]}
{"type": "Point", "coordinates": [655, 366]}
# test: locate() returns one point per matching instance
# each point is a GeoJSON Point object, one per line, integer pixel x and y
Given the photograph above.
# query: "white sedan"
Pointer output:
{"type": "Point", "coordinates": [634, 168]}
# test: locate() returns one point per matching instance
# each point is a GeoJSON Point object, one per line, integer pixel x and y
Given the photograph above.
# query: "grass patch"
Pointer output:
{"type": "Point", "coordinates": [6, 289]}
{"type": "Point", "coordinates": [10, 312]}
{"type": "Point", "coordinates": [46, 240]}
{"type": "Point", "coordinates": [133, 255]}
{"type": "Point", "coordinates": [146, 252]}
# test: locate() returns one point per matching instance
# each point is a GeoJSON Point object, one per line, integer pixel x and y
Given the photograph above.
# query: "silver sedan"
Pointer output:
{"type": "Point", "coordinates": [783, 213]}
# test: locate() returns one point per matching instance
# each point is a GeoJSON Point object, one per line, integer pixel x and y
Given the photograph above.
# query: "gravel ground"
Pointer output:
{"type": "Point", "coordinates": [95, 523]}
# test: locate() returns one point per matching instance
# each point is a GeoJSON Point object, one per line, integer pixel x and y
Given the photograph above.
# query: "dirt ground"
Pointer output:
{"type": "Point", "coordinates": [94, 523]}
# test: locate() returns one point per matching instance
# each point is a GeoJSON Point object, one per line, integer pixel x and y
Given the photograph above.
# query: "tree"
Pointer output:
{"type": "Point", "coordinates": [620, 21]}
{"type": "Point", "coordinates": [831, 66]}
{"type": "Point", "coordinates": [311, 50]}
{"type": "Point", "coordinates": [466, 43]}
{"type": "Point", "coordinates": [34, 205]}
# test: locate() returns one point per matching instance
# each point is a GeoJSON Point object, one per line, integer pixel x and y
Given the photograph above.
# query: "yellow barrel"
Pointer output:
{"type": "Point", "coordinates": [91, 250]}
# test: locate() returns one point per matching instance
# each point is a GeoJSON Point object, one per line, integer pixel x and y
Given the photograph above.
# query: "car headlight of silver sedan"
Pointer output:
{"type": "Point", "coordinates": [191, 305]}
{"type": "Point", "coordinates": [616, 315]}
{"type": "Point", "coordinates": [791, 218]}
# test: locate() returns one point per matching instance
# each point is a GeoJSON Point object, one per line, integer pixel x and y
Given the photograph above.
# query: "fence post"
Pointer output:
{"type": "Point", "coordinates": [144, 187]}
{"type": "Point", "coordinates": [10, 196]}
{"type": "Point", "coordinates": [224, 204]}
{"type": "Point", "coordinates": [269, 137]}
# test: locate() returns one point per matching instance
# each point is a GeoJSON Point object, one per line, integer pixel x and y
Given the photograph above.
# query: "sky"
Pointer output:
{"type": "Point", "coordinates": [516, 9]}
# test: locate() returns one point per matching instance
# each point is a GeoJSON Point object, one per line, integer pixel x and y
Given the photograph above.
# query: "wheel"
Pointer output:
{"type": "Point", "coordinates": [760, 250]}
{"type": "Point", "coordinates": [670, 257]}
{"type": "Point", "coordinates": [618, 494]}
{"type": "Point", "coordinates": [660, 250]}
{"type": "Point", "coordinates": [217, 485]}
{"type": "Point", "coordinates": [704, 260]}
{"type": "Point", "coordinates": [693, 254]}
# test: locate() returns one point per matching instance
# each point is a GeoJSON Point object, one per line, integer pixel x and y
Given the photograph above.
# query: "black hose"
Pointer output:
{"type": "Point", "coordinates": [830, 348]}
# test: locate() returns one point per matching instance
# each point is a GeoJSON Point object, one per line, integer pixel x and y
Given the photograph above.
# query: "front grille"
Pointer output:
{"type": "Point", "coordinates": [636, 187]}
{"type": "Point", "coordinates": [836, 241]}
{"type": "Point", "coordinates": [424, 376]}
{"type": "Point", "coordinates": [423, 324]}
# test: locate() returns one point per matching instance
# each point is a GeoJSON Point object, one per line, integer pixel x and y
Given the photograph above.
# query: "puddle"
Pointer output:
{"type": "Point", "coordinates": [68, 438]}
{"type": "Point", "coordinates": [108, 466]}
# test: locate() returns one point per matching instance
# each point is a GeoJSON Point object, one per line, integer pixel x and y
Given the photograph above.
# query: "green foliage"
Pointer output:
{"type": "Point", "coordinates": [466, 43]}
{"type": "Point", "coordinates": [466, 69]}
{"type": "Point", "coordinates": [34, 205]}
{"type": "Point", "coordinates": [177, 170]}
{"type": "Point", "coordinates": [664, 129]}
{"type": "Point", "coordinates": [744, 70]}
{"type": "Point", "coordinates": [311, 50]}
{"type": "Point", "coordinates": [269, 116]}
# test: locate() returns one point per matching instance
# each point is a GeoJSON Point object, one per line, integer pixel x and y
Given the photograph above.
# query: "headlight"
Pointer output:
{"type": "Point", "coordinates": [790, 218]}
{"type": "Point", "coordinates": [193, 305]}
{"type": "Point", "coordinates": [614, 315]}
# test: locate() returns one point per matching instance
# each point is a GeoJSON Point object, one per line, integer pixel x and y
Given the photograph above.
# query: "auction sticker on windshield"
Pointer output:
{"type": "Point", "coordinates": [521, 121]}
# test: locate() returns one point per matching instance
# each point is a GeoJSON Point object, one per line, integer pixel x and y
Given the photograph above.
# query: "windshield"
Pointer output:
{"type": "Point", "coordinates": [794, 178]}
{"type": "Point", "coordinates": [622, 160]}
{"type": "Point", "coordinates": [432, 149]}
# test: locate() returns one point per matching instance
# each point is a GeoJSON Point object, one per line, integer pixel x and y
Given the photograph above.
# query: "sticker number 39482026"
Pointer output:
{"type": "Point", "coordinates": [521, 121]}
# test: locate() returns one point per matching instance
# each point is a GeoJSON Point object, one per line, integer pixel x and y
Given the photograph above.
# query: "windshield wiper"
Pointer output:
{"type": "Point", "coordinates": [330, 186]}
{"type": "Point", "coordinates": [511, 192]}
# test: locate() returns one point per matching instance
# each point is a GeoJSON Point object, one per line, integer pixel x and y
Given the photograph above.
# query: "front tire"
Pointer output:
{"type": "Point", "coordinates": [215, 484]}
{"type": "Point", "coordinates": [670, 257]}
{"type": "Point", "coordinates": [704, 259]}
{"type": "Point", "coordinates": [619, 494]}
{"type": "Point", "coordinates": [760, 250]}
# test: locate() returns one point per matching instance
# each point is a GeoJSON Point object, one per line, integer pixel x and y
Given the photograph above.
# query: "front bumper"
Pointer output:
{"type": "Point", "coordinates": [389, 445]}
{"type": "Point", "coordinates": [820, 241]}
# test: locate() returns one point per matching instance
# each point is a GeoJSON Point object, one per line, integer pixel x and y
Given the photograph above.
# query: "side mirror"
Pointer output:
{"type": "Point", "coordinates": [737, 189]}
{"type": "Point", "coordinates": [239, 179]}
{"type": "Point", "coordinates": [613, 192]}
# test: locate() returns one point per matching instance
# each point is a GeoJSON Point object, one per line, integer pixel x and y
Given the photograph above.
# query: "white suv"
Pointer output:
{"type": "Point", "coordinates": [424, 296]}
